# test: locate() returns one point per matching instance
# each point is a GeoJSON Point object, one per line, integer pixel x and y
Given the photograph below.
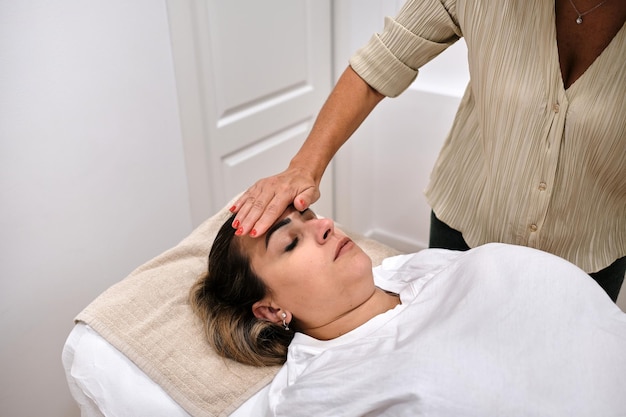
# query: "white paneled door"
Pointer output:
{"type": "Point", "coordinates": [251, 77]}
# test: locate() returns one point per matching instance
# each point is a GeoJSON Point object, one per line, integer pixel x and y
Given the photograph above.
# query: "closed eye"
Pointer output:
{"type": "Point", "coordinates": [292, 245]}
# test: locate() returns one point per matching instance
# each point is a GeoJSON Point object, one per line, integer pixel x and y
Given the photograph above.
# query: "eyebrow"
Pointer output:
{"type": "Point", "coordinates": [274, 228]}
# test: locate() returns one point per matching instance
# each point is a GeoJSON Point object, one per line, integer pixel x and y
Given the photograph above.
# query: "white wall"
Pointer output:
{"type": "Point", "coordinates": [92, 176]}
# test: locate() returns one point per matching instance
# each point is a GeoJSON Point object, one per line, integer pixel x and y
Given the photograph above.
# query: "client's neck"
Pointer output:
{"type": "Point", "coordinates": [380, 302]}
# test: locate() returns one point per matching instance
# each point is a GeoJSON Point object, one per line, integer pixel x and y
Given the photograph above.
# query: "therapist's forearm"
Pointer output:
{"type": "Point", "coordinates": [350, 102]}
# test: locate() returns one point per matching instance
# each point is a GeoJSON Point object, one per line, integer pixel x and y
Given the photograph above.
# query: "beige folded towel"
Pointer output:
{"type": "Point", "coordinates": [148, 318]}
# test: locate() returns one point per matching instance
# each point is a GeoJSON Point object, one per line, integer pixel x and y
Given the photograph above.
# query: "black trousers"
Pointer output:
{"type": "Point", "coordinates": [443, 236]}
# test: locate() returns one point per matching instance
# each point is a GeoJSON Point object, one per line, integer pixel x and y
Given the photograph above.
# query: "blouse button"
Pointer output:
{"type": "Point", "coordinates": [556, 107]}
{"type": "Point", "coordinates": [533, 227]}
{"type": "Point", "coordinates": [542, 186]}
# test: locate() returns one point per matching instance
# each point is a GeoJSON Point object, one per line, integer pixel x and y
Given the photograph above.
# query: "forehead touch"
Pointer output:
{"type": "Point", "coordinates": [256, 244]}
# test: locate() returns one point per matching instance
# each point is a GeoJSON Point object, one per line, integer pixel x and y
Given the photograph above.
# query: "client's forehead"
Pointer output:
{"type": "Point", "coordinates": [250, 244]}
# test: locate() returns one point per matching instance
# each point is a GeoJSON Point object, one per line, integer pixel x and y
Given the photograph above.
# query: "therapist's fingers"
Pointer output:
{"type": "Point", "coordinates": [277, 206]}
{"type": "Point", "coordinates": [258, 213]}
{"type": "Point", "coordinates": [271, 213]}
{"type": "Point", "coordinates": [304, 200]}
{"type": "Point", "coordinates": [261, 205]}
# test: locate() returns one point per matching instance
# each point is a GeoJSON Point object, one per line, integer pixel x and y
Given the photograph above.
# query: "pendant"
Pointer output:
{"type": "Point", "coordinates": [579, 20]}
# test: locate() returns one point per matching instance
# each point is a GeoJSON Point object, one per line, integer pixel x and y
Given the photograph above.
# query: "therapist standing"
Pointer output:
{"type": "Point", "coordinates": [536, 155]}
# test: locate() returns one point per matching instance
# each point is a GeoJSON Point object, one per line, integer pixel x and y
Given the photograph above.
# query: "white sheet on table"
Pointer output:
{"type": "Point", "coordinates": [105, 383]}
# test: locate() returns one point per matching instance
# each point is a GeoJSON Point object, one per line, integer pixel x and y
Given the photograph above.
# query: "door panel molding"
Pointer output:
{"type": "Point", "coordinates": [248, 73]}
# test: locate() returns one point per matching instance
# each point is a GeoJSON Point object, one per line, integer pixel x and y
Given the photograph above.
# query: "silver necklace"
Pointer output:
{"type": "Point", "coordinates": [579, 19]}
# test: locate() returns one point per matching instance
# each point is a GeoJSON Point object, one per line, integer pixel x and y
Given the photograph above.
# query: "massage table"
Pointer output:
{"type": "Point", "coordinates": [138, 350]}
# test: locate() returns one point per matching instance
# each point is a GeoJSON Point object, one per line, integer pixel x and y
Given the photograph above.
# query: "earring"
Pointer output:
{"type": "Point", "coordinates": [285, 324]}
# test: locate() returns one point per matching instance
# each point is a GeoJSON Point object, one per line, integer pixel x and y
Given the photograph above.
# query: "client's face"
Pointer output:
{"type": "Point", "coordinates": [313, 270]}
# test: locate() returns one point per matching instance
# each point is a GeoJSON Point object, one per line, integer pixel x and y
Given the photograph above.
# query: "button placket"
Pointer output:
{"type": "Point", "coordinates": [546, 169]}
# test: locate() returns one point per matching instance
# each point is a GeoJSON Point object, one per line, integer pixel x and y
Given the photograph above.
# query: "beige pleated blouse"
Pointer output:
{"type": "Point", "coordinates": [527, 162]}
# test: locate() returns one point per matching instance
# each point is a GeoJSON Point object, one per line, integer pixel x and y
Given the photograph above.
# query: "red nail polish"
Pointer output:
{"type": "Point", "coordinates": [236, 224]}
{"type": "Point", "coordinates": [232, 209]}
{"type": "Point", "coordinates": [239, 231]}
{"type": "Point", "coordinates": [302, 202]}
{"type": "Point", "coordinates": [253, 232]}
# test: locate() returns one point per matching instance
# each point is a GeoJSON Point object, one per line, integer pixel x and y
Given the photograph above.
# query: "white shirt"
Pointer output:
{"type": "Point", "coordinates": [498, 330]}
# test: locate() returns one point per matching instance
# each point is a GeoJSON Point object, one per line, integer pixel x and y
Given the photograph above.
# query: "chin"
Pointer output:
{"type": "Point", "coordinates": [363, 261]}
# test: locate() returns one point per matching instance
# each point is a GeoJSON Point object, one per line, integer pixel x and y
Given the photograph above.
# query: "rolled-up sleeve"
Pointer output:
{"type": "Point", "coordinates": [390, 61]}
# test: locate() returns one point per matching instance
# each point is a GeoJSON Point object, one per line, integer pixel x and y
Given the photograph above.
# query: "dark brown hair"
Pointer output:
{"type": "Point", "coordinates": [223, 299]}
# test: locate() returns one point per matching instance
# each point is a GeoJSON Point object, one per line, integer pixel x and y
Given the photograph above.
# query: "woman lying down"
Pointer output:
{"type": "Point", "coordinates": [499, 330]}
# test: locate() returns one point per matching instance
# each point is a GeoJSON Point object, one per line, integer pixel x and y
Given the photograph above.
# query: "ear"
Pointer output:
{"type": "Point", "coordinates": [265, 310]}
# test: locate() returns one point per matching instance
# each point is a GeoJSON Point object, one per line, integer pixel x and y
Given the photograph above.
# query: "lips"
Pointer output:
{"type": "Point", "coordinates": [342, 247]}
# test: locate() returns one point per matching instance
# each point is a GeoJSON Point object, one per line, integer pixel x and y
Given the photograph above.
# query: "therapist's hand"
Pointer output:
{"type": "Point", "coordinates": [351, 100]}
{"type": "Point", "coordinates": [261, 205]}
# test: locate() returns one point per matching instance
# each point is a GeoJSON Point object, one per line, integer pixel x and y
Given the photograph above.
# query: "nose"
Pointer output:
{"type": "Point", "coordinates": [324, 229]}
